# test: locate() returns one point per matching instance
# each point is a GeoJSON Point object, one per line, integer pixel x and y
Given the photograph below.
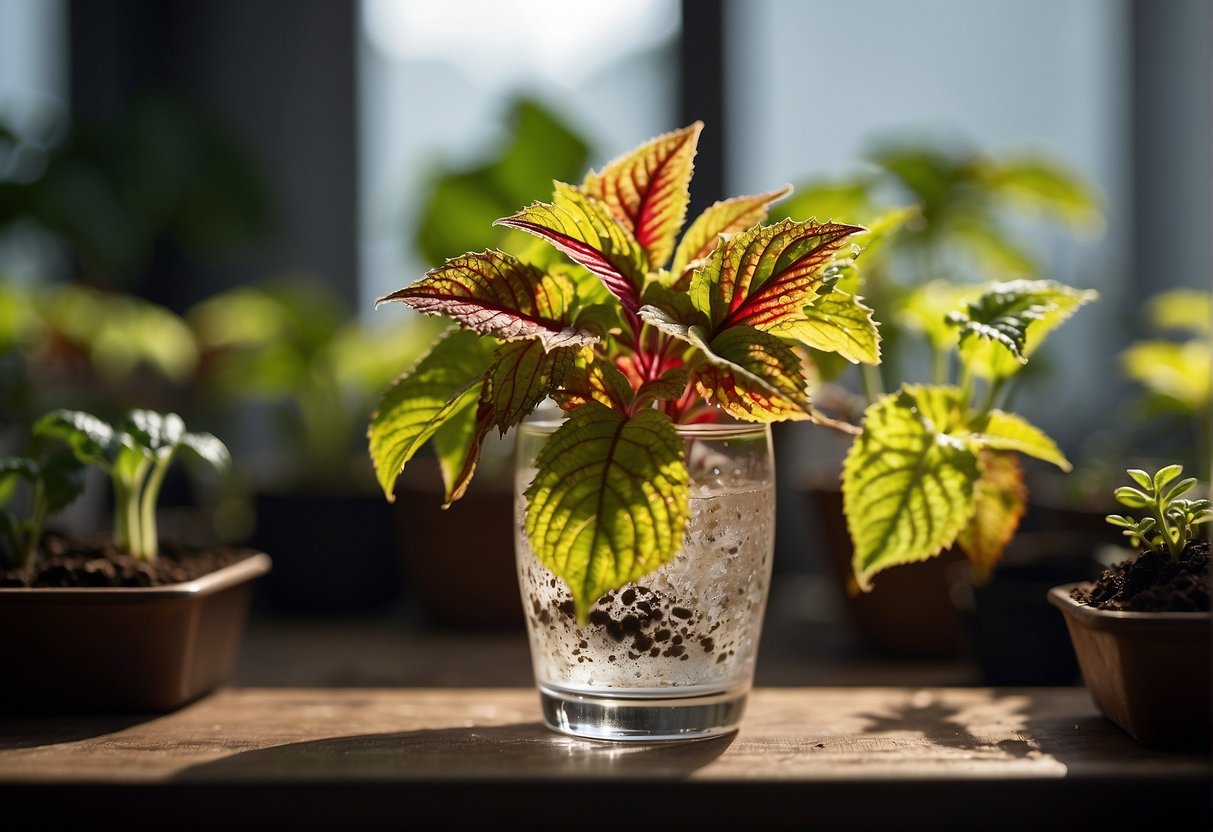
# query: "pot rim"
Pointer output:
{"type": "Point", "coordinates": [253, 566]}
{"type": "Point", "coordinates": [1059, 596]}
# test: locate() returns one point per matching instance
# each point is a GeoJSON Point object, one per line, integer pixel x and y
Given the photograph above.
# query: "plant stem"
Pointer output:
{"type": "Point", "coordinates": [1174, 545]}
{"type": "Point", "coordinates": [939, 365]}
{"type": "Point", "coordinates": [37, 519]}
{"type": "Point", "coordinates": [873, 386]}
{"type": "Point", "coordinates": [149, 536]}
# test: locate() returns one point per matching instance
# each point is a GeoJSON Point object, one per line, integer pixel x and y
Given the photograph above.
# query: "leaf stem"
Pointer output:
{"type": "Point", "coordinates": [873, 385]}
{"type": "Point", "coordinates": [37, 518]}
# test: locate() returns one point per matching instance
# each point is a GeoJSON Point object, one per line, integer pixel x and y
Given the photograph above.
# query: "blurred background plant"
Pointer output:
{"type": "Point", "coordinates": [948, 218]}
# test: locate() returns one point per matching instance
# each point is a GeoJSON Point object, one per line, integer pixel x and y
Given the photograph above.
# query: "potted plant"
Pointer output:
{"type": "Point", "coordinates": [951, 240]}
{"type": "Point", "coordinates": [124, 623]}
{"type": "Point", "coordinates": [1141, 631]}
{"type": "Point", "coordinates": [936, 466]}
{"type": "Point", "coordinates": [644, 513]}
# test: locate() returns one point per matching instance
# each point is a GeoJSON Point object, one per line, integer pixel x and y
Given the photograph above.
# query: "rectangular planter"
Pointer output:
{"type": "Point", "coordinates": [124, 648]}
{"type": "Point", "coordinates": [1147, 671]}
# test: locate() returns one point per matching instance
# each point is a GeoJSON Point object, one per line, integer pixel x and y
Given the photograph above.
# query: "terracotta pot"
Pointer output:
{"type": "Point", "coordinates": [1147, 671]}
{"type": "Point", "coordinates": [134, 649]}
{"type": "Point", "coordinates": [909, 611]}
{"type": "Point", "coordinates": [459, 562]}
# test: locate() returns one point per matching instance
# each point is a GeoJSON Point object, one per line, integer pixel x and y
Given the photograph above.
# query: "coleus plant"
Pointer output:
{"type": "Point", "coordinates": [636, 332]}
{"type": "Point", "coordinates": [936, 465]}
{"type": "Point", "coordinates": [136, 457]}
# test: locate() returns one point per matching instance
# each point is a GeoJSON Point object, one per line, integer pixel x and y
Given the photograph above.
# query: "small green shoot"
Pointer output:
{"type": "Point", "coordinates": [52, 485]}
{"type": "Point", "coordinates": [137, 457]}
{"type": "Point", "coordinates": [1169, 520]}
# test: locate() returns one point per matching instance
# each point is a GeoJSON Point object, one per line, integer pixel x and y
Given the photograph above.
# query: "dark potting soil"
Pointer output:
{"type": "Point", "coordinates": [1152, 583]}
{"type": "Point", "coordinates": [73, 563]}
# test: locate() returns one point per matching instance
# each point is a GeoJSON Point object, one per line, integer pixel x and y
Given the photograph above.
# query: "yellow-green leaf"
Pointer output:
{"type": "Point", "coordinates": [647, 190]}
{"type": "Point", "coordinates": [1007, 432]}
{"type": "Point", "coordinates": [727, 216]}
{"type": "Point", "coordinates": [1000, 504]}
{"type": "Point", "coordinates": [1182, 310]}
{"type": "Point", "coordinates": [457, 445]}
{"type": "Point", "coordinates": [925, 311]}
{"type": "Point", "coordinates": [584, 229]}
{"type": "Point", "coordinates": [1001, 329]}
{"type": "Point", "coordinates": [1180, 372]}
{"type": "Point", "coordinates": [609, 501]}
{"type": "Point", "coordinates": [522, 376]}
{"type": "Point", "coordinates": [908, 482]}
{"type": "Point", "coordinates": [494, 293]}
{"type": "Point", "coordinates": [598, 380]}
{"type": "Point", "coordinates": [836, 323]}
{"type": "Point", "coordinates": [447, 380]}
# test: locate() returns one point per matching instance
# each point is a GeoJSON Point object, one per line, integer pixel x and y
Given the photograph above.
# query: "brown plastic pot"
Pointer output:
{"type": "Point", "coordinates": [124, 648]}
{"type": "Point", "coordinates": [1147, 671]}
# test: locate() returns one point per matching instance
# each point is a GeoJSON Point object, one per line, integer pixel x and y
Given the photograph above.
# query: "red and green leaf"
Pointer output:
{"type": "Point", "coordinates": [522, 376]}
{"type": "Point", "coordinates": [597, 380]}
{"type": "Point", "coordinates": [752, 376]}
{"type": "Point", "coordinates": [496, 294]}
{"type": "Point", "coordinates": [609, 501]}
{"type": "Point", "coordinates": [1001, 499]}
{"type": "Point", "coordinates": [449, 379]}
{"type": "Point", "coordinates": [584, 229]}
{"type": "Point", "coordinates": [836, 323]}
{"type": "Point", "coordinates": [766, 275]}
{"type": "Point", "coordinates": [727, 216]}
{"type": "Point", "coordinates": [648, 189]}
{"type": "Point", "coordinates": [457, 445]}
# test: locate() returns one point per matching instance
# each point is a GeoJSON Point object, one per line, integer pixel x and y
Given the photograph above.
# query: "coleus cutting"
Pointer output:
{"type": "Point", "coordinates": [936, 465]}
{"type": "Point", "coordinates": [635, 332]}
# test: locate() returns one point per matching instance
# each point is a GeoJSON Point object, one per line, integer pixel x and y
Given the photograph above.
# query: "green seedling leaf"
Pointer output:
{"type": "Point", "coordinates": [908, 482]}
{"type": "Point", "coordinates": [1001, 500]}
{"type": "Point", "coordinates": [766, 275]}
{"type": "Point", "coordinates": [1001, 329]}
{"type": "Point", "coordinates": [447, 380]}
{"type": "Point", "coordinates": [609, 500]}
{"type": "Point", "coordinates": [1039, 184]}
{"type": "Point", "coordinates": [62, 480]}
{"type": "Point", "coordinates": [1141, 478]}
{"type": "Point", "coordinates": [1165, 476]}
{"type": "Point", "coordinates": [585, 230]}
{"type": "Point", "coordinates": [837, 323]}
{"type": "Point", "coordinates": [92, 440]}
{"type": "Point", "coordinates": [648, 189]}
{"type": "Point", "coordinates": [727, 216]}
{"type": "Point", "coordinates": [1181, 488]}
{"type": "Point", "coordinates": [494, 293]}
{"type": "Point", "coordinates": [1008, 432]}
{"type": "Point", "coordinates": [753, 376]}
{"type": "Point", "coordinates": [1131, 497]}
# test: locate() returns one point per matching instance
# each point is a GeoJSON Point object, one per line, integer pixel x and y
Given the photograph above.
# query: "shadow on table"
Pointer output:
{"type": "Point", "coordinates": [525, 750]}
{"type": "Point", "coordinates": [38, 730]}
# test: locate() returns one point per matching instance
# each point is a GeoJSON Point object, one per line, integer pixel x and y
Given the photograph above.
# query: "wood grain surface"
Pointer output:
{"type": "Point", "coordinates": [850, 756]}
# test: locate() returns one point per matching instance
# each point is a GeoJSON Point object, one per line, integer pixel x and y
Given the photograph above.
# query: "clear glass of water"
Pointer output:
{"type": "Point", "coordinates": [670, 656]}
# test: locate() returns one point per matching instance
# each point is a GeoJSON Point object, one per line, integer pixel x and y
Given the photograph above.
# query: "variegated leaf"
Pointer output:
{"type": "Point", "coordinates": [494, 293]}
{"type": "Point", "coordinates": [647, 190]}
{"type": "Point", "coordinates": [766, 275]}
{"type": "Point", "coordinates": [597, 380]}
{"type": "Point", "coordinates": [725, 217]}
{"type": "Point", "coordinates": [447, 380]}
{"type": "Point", "coordinates": [522, 375]}
{"type": "Point", "coordinates": [752, 376]}
{"type": "Point", "coordinates": [836, 323]}
{"type": "Point", "coordinates": [609, 501]}
{"type": "Point", "coordinates": [584, 229]}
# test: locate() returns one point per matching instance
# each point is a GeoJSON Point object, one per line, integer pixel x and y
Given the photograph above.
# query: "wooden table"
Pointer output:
{"type": "Point", "coordinates": [834, 758]}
